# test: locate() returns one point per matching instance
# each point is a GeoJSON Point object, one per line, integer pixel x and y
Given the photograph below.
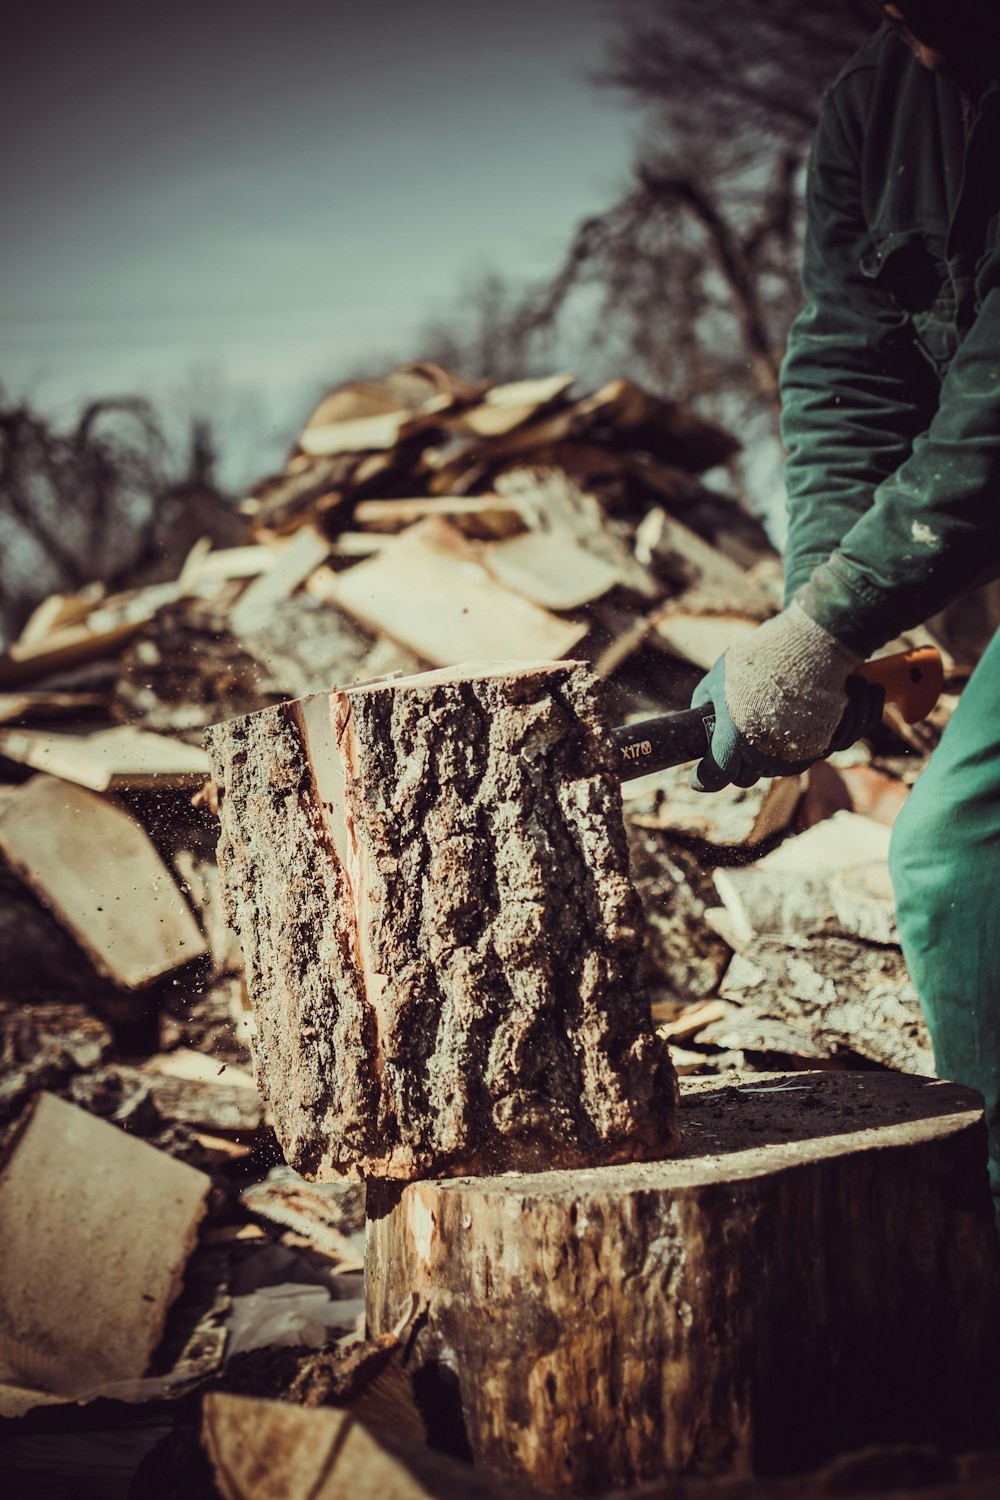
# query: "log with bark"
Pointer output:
{"type": "Point", "coordinates": [818, 1271]}
{"type": "Point", "coordinates": [443, 947]}
{"type": "Point", "coordinates": [845, 995]}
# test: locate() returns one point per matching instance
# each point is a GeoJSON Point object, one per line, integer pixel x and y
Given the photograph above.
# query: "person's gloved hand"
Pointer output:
{"type": "Point", "coordinates": [782, 701]}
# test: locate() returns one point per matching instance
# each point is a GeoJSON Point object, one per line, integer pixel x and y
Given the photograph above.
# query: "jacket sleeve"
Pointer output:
{"type": "Point", "coordinates": [856, 391]}
{"type": "Point", "coordinates": [934, 528]}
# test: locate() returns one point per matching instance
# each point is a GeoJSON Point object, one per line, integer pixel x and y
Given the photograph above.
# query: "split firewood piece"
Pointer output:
{"type": "Point", "coordinates": [109, 759]}
{"type": "Point", "coordinates": [743, 1030]}
{"type": "Point", "coordinates": [54, 613]}
{"type": "Point", "coordinates": [375, 433]}
{"type": "Point", "coordinates": [729, 818]}
{"type": "Point", "coordinates": [357, 401]}
{"type": "Point", "coordinates": [97, 871]}
{"type": "Point", "coordinates": [748, 1306]}
{"type": "Point", "coordinates": [296, 560]}
{"type": "Point", "coordinates": [96, 628]}
{"type": "Point", "coordinates": [638, 419]}
{"type": "Point", "coordinates": [430, 880]}
{"type": "Point", "coordinates": [45, 1046]}
{"type": "Point", "coordinates": [574, 523]}
{"type": "Point", "coordinates": [205, 569]}
{"type": "Point", "coordinates": [95, 1231]}
{"type": "Point", "coordinates": [871, 792]}
{"type": "Point", "coordinates": [687, 561]}
{"type": "Point", "coordinates": [845, 994]}
{"type": "Point", "coordinates": [507, 407]}
{"type": "Point", "coordinates": [271, 1450]}
{"type": "Point", "coordinates": [33, 705]}
{"type": "Point", "coordinates": [623, 414]}
{"type": "Point", "coordinates": [698, 635]}
{"type": "Point", "coordinates": [858, 902]}
{"type": "Point", "coordinates": [865, 903]}
{"type": "Point", "coordinates": [550, 570]}
{"type": "Point", "coordinates": [500, 515]}
{"type": "Point", "coordinates": [69, 646]}
{"type": "Point", "coordinates": [681, 953]}
{"type": "Point", "coordinates": [356, 435]}
{"type": "Point", "coordinates": [432, 594]}
{"type": "Point", "coordinates": [284, 502]}
{"type": "Point", "coordinates": [791, 890]}
{"type": "Point", "coordinates": [411, 388]}
{"type": "Point", "coordinates": [326, 1214]}
{"type": "Point", "coordinates": [218, 1104]}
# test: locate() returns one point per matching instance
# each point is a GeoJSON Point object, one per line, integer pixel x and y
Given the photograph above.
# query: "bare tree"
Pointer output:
{"type": "Point", "coordinates": [696, 264]}
{"type": "Point", "coordinates": [75, 506]}
{"type": "Point", "coordinates": [97, 504]}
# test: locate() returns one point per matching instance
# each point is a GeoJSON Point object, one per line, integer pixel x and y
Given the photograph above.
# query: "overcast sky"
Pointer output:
{"type": "Point", "coordinates": [269, 193]}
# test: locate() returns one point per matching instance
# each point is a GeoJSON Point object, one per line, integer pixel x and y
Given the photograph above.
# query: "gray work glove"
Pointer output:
{"type": "Point", "coordinates": [783, 698]}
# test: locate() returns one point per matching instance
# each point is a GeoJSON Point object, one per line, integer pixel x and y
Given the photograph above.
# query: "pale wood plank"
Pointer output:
{"type": "Point", "coordinates": [297, 559]}
{"type": "Point", "coordinates": [432, 594]}
{"type": "Point", "coordinates": [699, 637]}
{"type": "Point", "coordinates": [108, 758]}
{"type": "Point", "coordinates": [98, 872]}
{"type": "Point", "coordinates": [95, 1230]}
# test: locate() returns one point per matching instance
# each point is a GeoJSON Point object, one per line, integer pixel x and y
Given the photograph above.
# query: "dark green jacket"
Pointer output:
{"type": "Point", "coordinates": [891, 383]}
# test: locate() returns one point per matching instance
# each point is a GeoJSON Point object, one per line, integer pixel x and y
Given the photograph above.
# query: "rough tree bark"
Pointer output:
{"type": "Point", "coordinates": [817, 1272]}
{"type": "Point", "coordinates": [430, 882]}
{"type": "Point", "coordinates": [845, 994]}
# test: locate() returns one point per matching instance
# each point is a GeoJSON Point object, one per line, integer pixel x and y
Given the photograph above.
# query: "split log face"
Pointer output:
{"type": "Point", "coordinates": [430, 882]}
{"type": "Point", "coordinates": [818, 1271]}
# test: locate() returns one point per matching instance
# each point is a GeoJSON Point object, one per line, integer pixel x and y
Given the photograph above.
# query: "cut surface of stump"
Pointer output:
{"type": "Point", "coordinates": [816, 1272]}
{"type": "Point", "coordinates": [430, 882]}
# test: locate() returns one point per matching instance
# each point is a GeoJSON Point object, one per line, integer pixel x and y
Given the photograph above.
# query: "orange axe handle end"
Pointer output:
{"type": "Point", "coordinates": [912, 680]}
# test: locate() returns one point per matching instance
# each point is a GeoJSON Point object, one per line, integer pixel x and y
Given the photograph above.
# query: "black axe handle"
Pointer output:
{"type": "Point", "coordinates": [912, 681]}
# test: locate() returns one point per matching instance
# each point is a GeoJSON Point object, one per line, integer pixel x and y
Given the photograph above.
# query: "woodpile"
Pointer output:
{"type": "Point", "coordinates": [422, 521]}
{"type": "Point", "coordinates": [423, 528]}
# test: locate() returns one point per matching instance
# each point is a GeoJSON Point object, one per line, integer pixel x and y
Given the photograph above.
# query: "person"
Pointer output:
{"type": "Point", "coordinates": [891, 420]}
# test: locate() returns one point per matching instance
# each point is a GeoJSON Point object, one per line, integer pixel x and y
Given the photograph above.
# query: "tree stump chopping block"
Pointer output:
{"type": "Point", "coordinates": [817, 1271]}
{"type": "Point", "coordinates": [430, 881]}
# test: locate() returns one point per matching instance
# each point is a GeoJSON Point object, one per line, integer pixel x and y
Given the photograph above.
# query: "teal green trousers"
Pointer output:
{"type": "Point", "coordinates": [945, 862]}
